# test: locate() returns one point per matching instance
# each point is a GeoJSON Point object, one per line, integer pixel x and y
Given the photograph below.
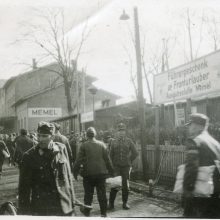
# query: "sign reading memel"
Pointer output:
{"type": "Point", "coordinates": [200, 77]}
{"type": "Point", "coordinates": [44, 112]}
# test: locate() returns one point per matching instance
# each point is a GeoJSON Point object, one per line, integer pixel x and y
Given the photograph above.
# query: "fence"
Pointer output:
{"type": "Point", "coordinates": [164, 171]}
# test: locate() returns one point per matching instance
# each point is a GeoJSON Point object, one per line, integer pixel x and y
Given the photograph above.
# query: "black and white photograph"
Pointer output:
{"type": "Point", "coordinates": [110, 108]}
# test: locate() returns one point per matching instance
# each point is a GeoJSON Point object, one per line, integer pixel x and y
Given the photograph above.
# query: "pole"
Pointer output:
{"type": "Point", "coordinates": [141, 110]}
{"type": "Point", "coordinates": [93, 108]}
{"type": "Point", "coordinates": [77, 101]}
{"type": "Point", "coordinates": [157, 140]}
{"type": "Point", "coordinates": [83, 96]}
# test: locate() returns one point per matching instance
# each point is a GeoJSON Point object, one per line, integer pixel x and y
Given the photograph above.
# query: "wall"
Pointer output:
{"type": "Point", "coordinates": [35, 81]}
{"type": "Point", "coordinates": [52, 98]}
{"type": "Point", "coordinates": [22, 117]}
{"type": "Point", "coordinates": [10, 92]}
{"type": "Point", "coordinates": [2, 102]}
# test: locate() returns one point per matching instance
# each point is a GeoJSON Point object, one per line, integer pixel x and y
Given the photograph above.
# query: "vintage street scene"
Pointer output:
{"type": "Point", "coordinates": [110, 108]}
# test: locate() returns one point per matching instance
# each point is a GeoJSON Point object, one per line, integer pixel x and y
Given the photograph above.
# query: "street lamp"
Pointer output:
{"type": "Point", "coordinates": [141, 105]}
{"type": "Point", "coordinates": [93, 90]}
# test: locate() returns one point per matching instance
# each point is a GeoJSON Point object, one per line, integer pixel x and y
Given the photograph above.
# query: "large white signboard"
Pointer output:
{"type": "Point", "coordinates": [86, 117]}
{"type": "Point", "coordinates": [44, 112]}
{"type": "Point", "coordinates": [200, 77]}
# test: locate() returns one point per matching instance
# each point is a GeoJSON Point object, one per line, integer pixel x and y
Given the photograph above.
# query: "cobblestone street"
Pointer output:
{"type": "Point", "coordinates": [141, 206]}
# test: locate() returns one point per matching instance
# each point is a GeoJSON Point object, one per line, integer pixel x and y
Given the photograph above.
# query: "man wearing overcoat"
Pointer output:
{"type": "Point", "coordinates": [45, 182]}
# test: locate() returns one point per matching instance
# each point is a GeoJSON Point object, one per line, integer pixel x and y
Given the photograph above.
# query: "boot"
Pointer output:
{"type": "Point", "coordinates": [125, 206]}
{"type": "Point", "coordinates": [125, 199]}
{"type": "Point", "coordinates": [112, 197]}
{"type": "Point", "coordinates": [85, 211]}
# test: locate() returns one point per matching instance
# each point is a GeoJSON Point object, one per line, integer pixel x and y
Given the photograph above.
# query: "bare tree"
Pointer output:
{"type": "Point", "coordinates": [212, 22]}
{"type": "Point", "coordinates": [52, 38]}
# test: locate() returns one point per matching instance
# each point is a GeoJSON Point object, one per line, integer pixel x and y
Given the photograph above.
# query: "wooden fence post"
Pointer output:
{"type": "Point", "coordinates": [157, 138]}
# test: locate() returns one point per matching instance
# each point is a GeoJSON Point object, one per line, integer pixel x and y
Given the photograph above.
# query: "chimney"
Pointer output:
{"type": "Point", "coordinates": [34, 64]}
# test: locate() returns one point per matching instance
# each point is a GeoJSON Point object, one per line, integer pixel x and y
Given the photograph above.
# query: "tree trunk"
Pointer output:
{"type": "Point", "coordinates": [68, 95]}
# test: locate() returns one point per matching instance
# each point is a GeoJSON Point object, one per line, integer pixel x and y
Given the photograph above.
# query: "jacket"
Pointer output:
{"type": "Point", "coordinates": [22, 144]}
{"type": "Point", "coordinates": [122, 152]}
{"type": "Point", "coordinates": [3, 147]}
{"type": "Point", "coordinates": [62, 139]}
{"type": "Point", "coordinates": [93, 155]}
{"type": "Point", "coordinates": [203, 150]}
{"type": "Point", "coordinates": [45, 183]}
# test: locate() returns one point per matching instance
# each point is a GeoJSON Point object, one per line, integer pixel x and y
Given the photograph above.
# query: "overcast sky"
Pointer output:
{"type": "Point", "coordinates": [104, 53]}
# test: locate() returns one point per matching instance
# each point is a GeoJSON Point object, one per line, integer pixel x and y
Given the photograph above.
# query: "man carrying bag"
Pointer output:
{"type": "Point", "coordinates": [203, 152]}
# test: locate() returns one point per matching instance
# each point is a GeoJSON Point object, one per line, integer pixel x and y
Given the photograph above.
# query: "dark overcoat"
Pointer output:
{"type": "Point", "coordinates": [45, 183]}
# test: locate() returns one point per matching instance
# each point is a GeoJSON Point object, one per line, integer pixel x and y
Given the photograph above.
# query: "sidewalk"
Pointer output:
{"type": "Point", "coordinates": [158, 191]}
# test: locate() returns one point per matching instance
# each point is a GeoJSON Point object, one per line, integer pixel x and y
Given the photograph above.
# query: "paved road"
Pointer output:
{"type": "Point", "coordinates": [141, 206]}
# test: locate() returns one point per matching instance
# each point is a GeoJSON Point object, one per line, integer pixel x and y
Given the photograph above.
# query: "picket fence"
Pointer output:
{"type": "Point", "coordinates": [163, 170]}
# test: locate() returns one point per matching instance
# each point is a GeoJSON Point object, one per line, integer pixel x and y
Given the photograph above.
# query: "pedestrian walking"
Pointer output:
{"type": "Point", "coordinates": [74, 146]}
{"type": "Point", "coordinates": [122, 154]}
{"type": "Point", "coordinates": [45, 183]}
{"type": "Point", "coordinates": [22, 144]}
{"type": "Point", "coordinates": [4, 153]}
{"type": "Point", "coordinates": [11, 147]}
{"type": "Point", "coordinates": [58, 137]}
{"type": "Point", "coordinates": [202, 151]}
{"type": "Point", "coordinates": [97, 166]}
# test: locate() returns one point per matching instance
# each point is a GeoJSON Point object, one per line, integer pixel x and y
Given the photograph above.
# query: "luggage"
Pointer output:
{"type": "Point", "coordinates": [204, 186]}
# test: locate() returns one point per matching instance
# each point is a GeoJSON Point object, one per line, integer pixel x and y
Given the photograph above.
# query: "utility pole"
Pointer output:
{"type": "Point", "coordinates": [83, 101]}
{"type": "Point", "coordinates": [140, 97]}
{"type": "Point", "coordinates": [141, 105]}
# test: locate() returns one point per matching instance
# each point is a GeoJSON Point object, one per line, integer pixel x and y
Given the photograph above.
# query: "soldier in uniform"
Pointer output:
{"type": "Point", "coordinates": [122, 153]}
{"type": "Point", "coordinates": [93, 155]}
{"type": "Point", "coordinates": [45, 182]}
{"type": "Point", "coordinates": [202, 150]}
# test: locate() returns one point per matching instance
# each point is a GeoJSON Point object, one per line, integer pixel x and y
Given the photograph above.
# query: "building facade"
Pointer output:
{"type": "Point", "coordinates": [40, 95]}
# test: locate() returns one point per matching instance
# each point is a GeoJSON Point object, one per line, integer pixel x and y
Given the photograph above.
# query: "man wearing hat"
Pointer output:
{"type": "Point", "coordinates": [97, 166]}
{"type": "Point", "coordinates": [122, 153]}
{"type": "Point", "coordinates": [202, 150]}
{"type": "Point", "coordinates": [45, 183]}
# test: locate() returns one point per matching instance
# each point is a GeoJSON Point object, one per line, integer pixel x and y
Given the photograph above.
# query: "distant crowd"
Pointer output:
{"type": "Point", "coordinates": [15, 145]}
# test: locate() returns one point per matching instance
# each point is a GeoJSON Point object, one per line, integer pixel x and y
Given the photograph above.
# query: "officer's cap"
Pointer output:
{"type": "Point", "coordinates": [91, 132]}
{"type": "Point", "coordinates": [199, 119]}
{"type": "Point", "coordinates": [121, 126]}
{"type": "Point", "coordinates": [45, 128]}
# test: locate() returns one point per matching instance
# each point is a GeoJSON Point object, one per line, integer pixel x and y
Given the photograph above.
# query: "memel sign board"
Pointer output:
{"type": "Point", "coordinates": [44, 112]}
{"type": "Point", "coordinates": [197, 78]}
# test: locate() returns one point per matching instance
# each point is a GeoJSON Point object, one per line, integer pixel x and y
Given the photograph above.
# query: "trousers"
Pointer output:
{"type": "Point", "coordinates": [89, 184]}
{"type": "Point", "coordinates": [124, 172]}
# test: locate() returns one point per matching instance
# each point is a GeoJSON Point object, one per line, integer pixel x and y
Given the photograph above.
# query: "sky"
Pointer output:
{"type": "Point", "coordinates": [107, 51]}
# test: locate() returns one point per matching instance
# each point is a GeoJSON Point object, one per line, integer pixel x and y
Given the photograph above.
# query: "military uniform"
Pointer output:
{"type": "Point", "coordinates": [45, 182]}
{"type": "Point", "coordinates": [122, 153]}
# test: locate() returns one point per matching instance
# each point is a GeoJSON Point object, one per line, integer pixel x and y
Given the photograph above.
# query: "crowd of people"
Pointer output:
{"type": "Point", "coordinates": [48, 160]}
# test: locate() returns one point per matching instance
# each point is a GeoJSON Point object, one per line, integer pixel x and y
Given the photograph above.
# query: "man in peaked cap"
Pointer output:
{"type": "Point", "coordinates": [93, 155]}
{"type": "Point", "coordinates": [122, 153]}
{"type": "Point", "coordinates": [202, 150]}
{"type": "Point", "coordinates": [45, 183]}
